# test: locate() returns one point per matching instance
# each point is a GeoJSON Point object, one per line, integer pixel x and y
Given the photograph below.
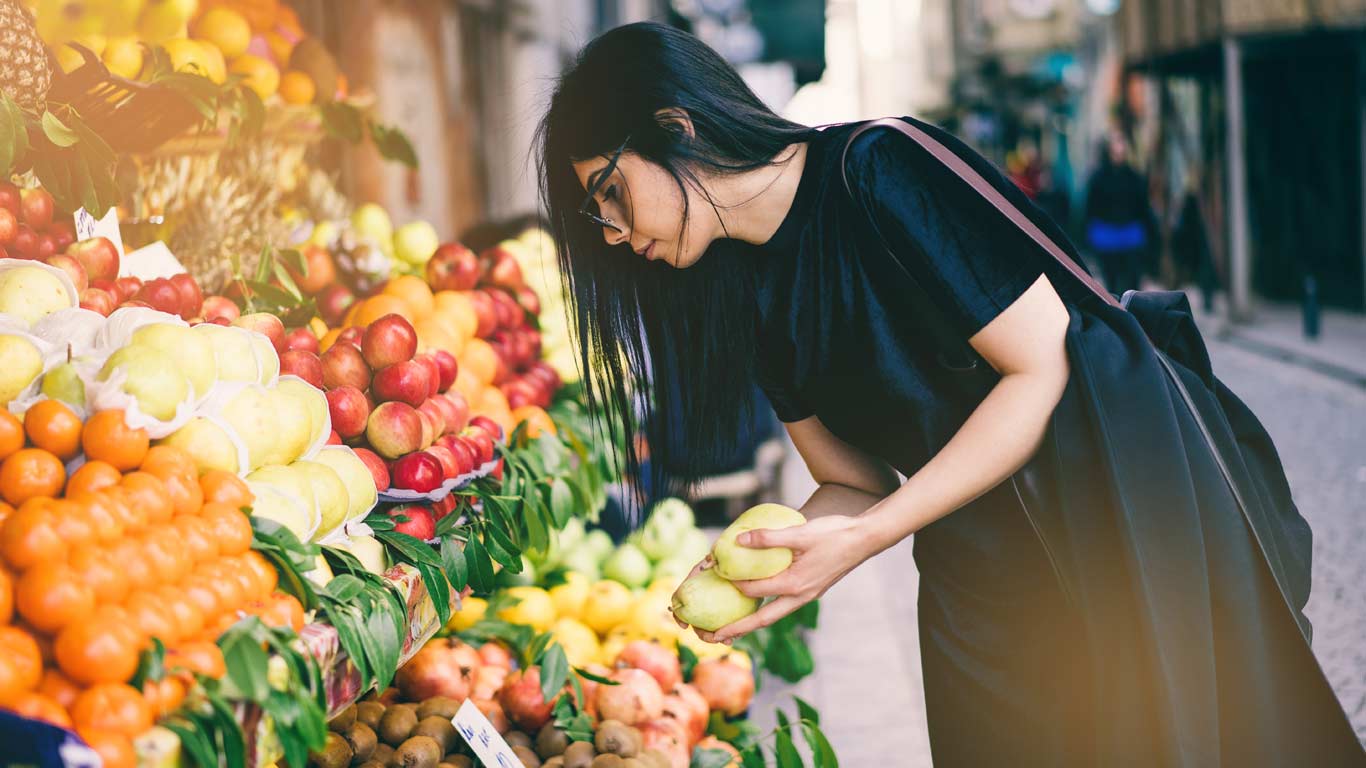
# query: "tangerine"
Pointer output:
{"type": "Point", "coordinates": [147, 492]}
{"type": "Point", "coordinates": [265, 573]}
{"type": "Point", "coordinates": [116, 707]}
{"type": "Point", "coordinates": [201, 656]}
{"type": "Point", "coordinates": [538, 422]}
{"type": "Point", "coordinates": [54, 427]}
{"type": "Point", "coordinates": [184, 493]}
{"type": "Point", "coordinates": [163, 696]}
{"type": "Point", "coordinates": [21, 663]}
{"type": "Point", "coordinates": [50, 596]}
{"type": "Point", "coordinates": [456, 306]}
{"type": "Point", "coordinates": [30, 536]}
{"type": "Point", "coordinates": [97, 567]}
{"type": "Point", "coordinates": [92, 476]}
{"type": "Point", "coordinates": [106, 521]}
{"type": "Point", "coordinates": [297, 87]}
{"type": "Point", "coordinates": [107, 437]}
{"type": "Point", "coordinates": [58, 687]}
{"type": "Point", "coordinates": [115, 749]}
{"type": "Point", "coordinates": [231, 528]}
{"type": "Point", "coordinates": [133, 517]}
{"type": "Point", "coordinates": [371, 309]}
{"type": "Point", "coordinates": [11, 434]}
{"type": "Point", "coordinates": [467, 385]}
{"type": "Point", "coordinates": [282, 610]}
{"type": "Point", "coordinates": [197, 537]}
{"type": "Point", "coordinates": [165, 461]}
{"type": "Point", "coordinates": [153, 617]}
{"type": "Point", "coordinates": [37, 706]}
{"type": "Point", "coordinates": [30, 472]}
{"type": "Point", "coordinates": [188, 618]}
{"type": "Point", "coordinates": [166, 555]}
{"type": "Point", "coordinates": [480, 359]}
{"type": "Point", "coordinates": [224, 486]}
{"type": "Point", "coordinates": [128, 553]}
{"type": "Point", "coordinates": [102, 649]}
{"type": "Point", "coordinates": [412, 291]}
{"type": "Point", "coordinates": [6, 598]}
{"type": "Point", "coordinates": [75, 523]}
{"type": "Point", "coordinates": [199, 591]}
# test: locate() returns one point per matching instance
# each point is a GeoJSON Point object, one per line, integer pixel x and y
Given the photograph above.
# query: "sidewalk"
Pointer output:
{"type": "Point", "coordinates": [1277, 331]}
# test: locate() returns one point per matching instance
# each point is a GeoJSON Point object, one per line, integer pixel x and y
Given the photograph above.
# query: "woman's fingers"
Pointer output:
{"type": "Point", "coordinates": [774, 586]}
{"type": "Point", "coordinates": [757, 620]}
{"type": "Point", "coordinates": [763, 538]}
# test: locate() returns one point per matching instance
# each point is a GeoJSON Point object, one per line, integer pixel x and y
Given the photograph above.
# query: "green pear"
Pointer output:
{"type": "Point", "coordinates": [191, 350]}
{"type": "Point", "coordinates": [152, 377]}
{"type": "Point", "coordinates": [582, 561]}
{"type": "Point", "coordinates": [310, 399]}
{"type": "Point", "coordinates": [278, 504]}
{"type": "Point", "coordinates": [208, 444]}
{"type": "Point", "coordinates": [251, 414]}
{"type": "Point", "coordinates": [571, 535]}
{"type": "Point", "coordinates": [64, 383]}
{"type": "Point", "coordinates": [628, 565]}
{"type": "Point", "coordinates": [599, 542]}
{"type": "Point", "coordinates": [267, 359]}
{"type": "Point", "coordinates": [360, 484]}
{"type": "Point", "coordinates": [739, 563]}
{"type": "Point", "coordinates": [32, 292]}
{"type": "Point", "coordinates": [692, 546]}
{"type": "Point", "coordinates": [23, 364]}
{"type": "Point", "coordinates": [292, 432]}
{"type": "Point", "coordinates": [289, 481]}
{"type": "Point", "coordinates": [708, 602]}
{"type": "Point", "coordinates": [234, 358]}
{"type": "Point", "coordinates": [333, 500]}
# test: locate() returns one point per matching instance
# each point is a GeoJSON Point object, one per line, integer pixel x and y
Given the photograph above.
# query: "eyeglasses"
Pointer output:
{"type": "Point", "coordinates": [589, 207]}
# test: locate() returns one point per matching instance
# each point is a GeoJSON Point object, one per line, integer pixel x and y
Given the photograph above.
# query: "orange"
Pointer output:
{"type": "Point", "coordinates": [199, 592]}
{"type": "Point", "coordinates": [75, 524]}
{"type": "Point", "coordinates": [224, 486]}
{"type": "Point", "coordinates": [223, 582]}
{"type": "Point", "coordinates": [126, 510]}
{"type": "Point", "coordinates": [21, 663]}
{"type": "Point", "coordinates": [5, 511]}
{"type": "Point", "coordinates": [494, 404]}
{"type": "Point", "coordinates": [36, 706]}
{"type": "Point", "coordinates": [231, 528]}
{"type": "Point", "coordinates": [480, 360]}
{"type": "Point", "coordinates": [167, 461]}
{"type": "Point", "coordinates": [260, 75]}
{"type": "Point", "coordinates": [107, 437]}
{"type": "Point", "coordinates": [188, 618]}
{"type": "Point", "coordinates": [116, 707]}
{"type": "Point", "coordinates": [281, 610]}
{"type": "Point", "coordinates": [166, 555]}
{"type": "Point", "coordinates": [297, 87]}
{"type": "Point", "coordinates": [184, 494]}
{"type": "Point", "coordinates": [59, 688]}
{"type": "Point", "coordinates": [92, 476]}
{"type": "Point", "coordinates": [434, 332]}
{"type": "Point", "coordinates": [132, 560]}
{"type": "Point", "coordinates": [148, 492]}
{"type": "Point", "coordinates": [153, 617]}
{"type": "Point", "coordinates": [538, 422]}
{"type": "Point", "coordinates": [224, 28]}
{"type": "Point", "coordinates": [30, 472]}
{"type": "Point", "coordinates": [11, 433]}
{"type": "Point", "coordinates": [265, 574]}
{"type": "Point", "coordinates": [329, 339]}
{"type": "Point", "coordinates": [196, 535]}
{"type": "Point", "coordinates": [106, 519]}
{"type": "Point", "coordinates": [163, 696]}
{"type": "Point", "coordinates": [51, 596]}
{"type": "Point", "coordinates": [101, 649]}
{"type": "Point", "coordinates": [31, 536]}
{"type": "Point", "coordinates": [371, 309]}
{"type": "Point", "coordinates": [202, 657]}
{"type": "Point", "coordinates": [54, 427]}
{"type": "Point", "coordinates": [457, 307]}
{"type": "Point", "coordinates": [6, 598]}
{"type": "Point", "coordinates": [467, 385]}
{"type": "Point", "coordinates": [413, 291]}
{"type": "Point", "coordinates": [106, 576]}
{"type": "Point", "coordinates": [115, 749]}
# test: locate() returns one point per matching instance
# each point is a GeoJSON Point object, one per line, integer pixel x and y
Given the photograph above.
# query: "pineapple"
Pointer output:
{"type": "Point", "coordinates": [24, 73]}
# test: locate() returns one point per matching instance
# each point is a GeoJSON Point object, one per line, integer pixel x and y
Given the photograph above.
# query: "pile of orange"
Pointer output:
{"type": "Point", "coordinates": [133, 545]}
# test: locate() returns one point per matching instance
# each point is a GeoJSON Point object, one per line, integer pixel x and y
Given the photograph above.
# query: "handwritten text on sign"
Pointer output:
{"type": "Point", "coordinates": [483, 738]}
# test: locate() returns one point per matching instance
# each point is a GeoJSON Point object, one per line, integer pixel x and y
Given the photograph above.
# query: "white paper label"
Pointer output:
{"type": "Point", "coordinates": [483, 738]}
{"type": "Point", "coordinates": [150, 262]}
{"type": "Point", "coordinates": [87, 226]}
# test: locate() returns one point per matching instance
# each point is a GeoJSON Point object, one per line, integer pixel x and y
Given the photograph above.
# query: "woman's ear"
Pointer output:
{"type": "Point", "coordinates": [675, 119]}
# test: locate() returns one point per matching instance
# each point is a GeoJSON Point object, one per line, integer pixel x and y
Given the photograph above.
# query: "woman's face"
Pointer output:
{"type": "Point", "coordinates": [643, 200]}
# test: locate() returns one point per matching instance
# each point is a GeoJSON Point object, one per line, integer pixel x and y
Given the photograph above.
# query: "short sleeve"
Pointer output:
{"type": "Point", "coordinates": [775, 377]}
{"type": "Point", "coordinates": [946, 235]}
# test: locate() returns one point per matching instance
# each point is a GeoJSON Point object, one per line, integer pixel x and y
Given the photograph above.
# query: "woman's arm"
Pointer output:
{"type": "Point", "coordinates": [832, 461]}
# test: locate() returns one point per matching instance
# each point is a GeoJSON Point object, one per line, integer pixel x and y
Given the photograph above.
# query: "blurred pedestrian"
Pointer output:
{"type": "Point", "coordinates": [1120, 225]}
{"type": "Point", "coordinates": [1191, 254]}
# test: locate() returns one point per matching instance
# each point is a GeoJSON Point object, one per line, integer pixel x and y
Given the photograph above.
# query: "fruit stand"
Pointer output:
{"type": "Point", "coordinates": [282, 481]}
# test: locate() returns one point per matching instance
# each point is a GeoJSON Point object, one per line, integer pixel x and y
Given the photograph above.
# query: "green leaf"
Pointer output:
{"type": "Point", "coordinates": [599, 679]}
{"type": "Point", "coordinates": [709, 758]}
{"type": "Point", "coordinates": [230, 736]}
{"type": "Point", "coordinates": [57, 131]}
{"type": "Point", "coordinates": [480, 566]}
{"type": "Point", "coordinates": [282, 275]}
{"type": "Point", "coordinates": [294, 259]}
{"type": "Point", "coordinates": [393, 144]}
{"type": "Point", "coordinates": [343, 121]}
{"type": "Point", "coordinates": [752, 757]}
{"type": "Point", "coordinates": [807, 712]}
{"type": "Point", "coordinates": [554, 671]}
{"type": "Point", "coordinates": [409, 548]}
{"type": "Point", "coordinates": [435, 581]}
{"type": "Point", "coordinates": [344, 588]}
{"type": "Point", "coordinates": [193, 740]}
{"type": "Point", "coordinates": [781, 717]}
{"type": "Point", "coordinates": [246, 664]}
{"type": "Point", "coordinates": [13, 134]}
{"type": "Point", "coordinates": [502, 549]}
{"type": "Point", "coordinates": [453, 560]}
{"type": "Point", "coordinates": [561, 502]}
{"type": "Point", "coordinates": [151, 664]}
{"type": "Point", "coordinates": [822, 754]}
{"type": "Point", "coordinates": [534, 516]}
{"type": "Point", "coordinates": [384, 647]}
{"type": "Point", "coordinates": [786, 750]}
{"type": "Point", "coordinates": [788, 656]}
{"type": "Point", "coordinates": [688, 660]}
{"type": "Point", "coordinates": [537, 647]}
{"type": "Point", "coordinates": [277, 297]}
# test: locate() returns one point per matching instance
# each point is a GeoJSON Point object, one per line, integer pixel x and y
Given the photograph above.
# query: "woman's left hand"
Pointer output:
{"type": "Point", "coordinates": [824, 549]}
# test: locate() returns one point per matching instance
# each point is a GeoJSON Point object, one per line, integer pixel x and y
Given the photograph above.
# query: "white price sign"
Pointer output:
{"type": "Point", "coordinates": [483, 738]}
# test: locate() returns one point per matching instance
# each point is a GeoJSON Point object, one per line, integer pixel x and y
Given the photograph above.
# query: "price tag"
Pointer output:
{"type": "Point", "coordinates": [483, 738]}
{"type": "Point", "coordinates": [87, 226]}
{"type": "Point", "coordinates": [150, 262]}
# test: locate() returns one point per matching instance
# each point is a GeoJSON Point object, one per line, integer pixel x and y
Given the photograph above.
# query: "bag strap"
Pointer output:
{"type": "Point", "coordinates": [984, 188]}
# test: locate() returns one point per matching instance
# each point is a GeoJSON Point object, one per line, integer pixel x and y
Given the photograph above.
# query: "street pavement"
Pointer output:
{"type": "Point", "coordinates": [867, 683]}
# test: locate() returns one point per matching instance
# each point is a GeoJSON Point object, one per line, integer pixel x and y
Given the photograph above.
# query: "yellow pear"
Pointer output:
{"type": "Point", "coordinates": [708, 602]}
{"type": "Point", "coordinates": [739, 563]}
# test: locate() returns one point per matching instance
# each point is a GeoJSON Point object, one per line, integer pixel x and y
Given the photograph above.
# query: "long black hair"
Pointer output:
{"type": "Point", "coordinates": [675, 348]}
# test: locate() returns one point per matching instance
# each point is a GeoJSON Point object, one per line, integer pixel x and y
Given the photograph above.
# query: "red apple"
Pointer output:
{"type": "Point", "coordinates": [449, 466]}
{"type": "Point", "coordinates": [99, 257]}
{"type": "Point", "coordinates": [407, 382]}
{"type": "Point", "coordinates": [445, 506]}
{"type": "Point", "coordinates": [519, 393]}
{"type": "Point", "coordinates": [304, 364]}
{"type": "Point", "coordinates": [191, 297]}
{"type": "Point", "coordinates": [219, 307]}
{"type": "Point", "coordinates": [344, 366]}
{"type": "Point", "coordinates": [507, 271]}
{"type": "Point", "coordinates": [9, 197]}
{"type": "Point", "coordinates": [390, 339]}
{"type": "Point", "coordinates": [420, 471]}
{"type": "Point", "coordinates": [349, 410]}
{"type": "Point", "coordinates": [480, 444]}
{"type": "Point", "coordinates": [47, 246]}
{"type": "Point", "coordinates": [333, 438]}
{"type": "Point", "coordinates": [302, 338]}
{"type": "Point", "coordinates": [378, 470]}
{"type": "Point", "coordinates": [462, 410]}
{"type": "Point", "coordinates": [491, 427]}
{"type": "Point", "coordinates": [352, 336]}
{"type": "Point", "coordinates": [394, 429]}
{"type": "Point", "coordinates": [319, 271]}
{"type": "Point", "coordinates": [484, 310]}
{"type": "Point", "coordinates": [9, 226]}
{"type": "Point", "coordinates": [434, 412]}
{"type": "Point", "coordinates": [161, 295]}
{"type": "Point", "coordinates": [510, 313]}
{"type": "Point", "coordinates": [97, 300]}
{"type": "Point", "coordinates": [64, 232]}
{"type": "Point", "coordinates": [70, 266]}
{"type": "Point", "coordinates": [433, 373]}
{"type": "Point", "coordinates": [447, 411]}
{"type": "Point", "coordinates": [124, 289]}
{"type": "Point", "coordinates": [267, 325]}
{"type": "Point", "coordinates": [25, 245]}
{"type": "Point", "coordinates": [465, 459]}
{"type": "Point", "coordinates": [428, 429]}
{"type": "Point", "coordinates": [452, 268]}
{"type": "Point", "coordinates": [546, 372]}
{"type": "Point", "coordinates": [421, 523]}
{"type": "Point", "coordinates": [529, 301]}
{"type": "Point", "coordinates": [448, 367]}
{"type": "Point", "coordinates": [333, 302]}
{"type": "Point", "coordinates": [36, 208]}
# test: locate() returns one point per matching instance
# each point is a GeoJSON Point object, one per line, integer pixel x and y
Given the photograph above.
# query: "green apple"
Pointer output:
{"type": "Point", "coordinates": [360, 484]}
{"type": "Point", "coordinates": [371, 220]}
{"type": "Point", "coordinates": [234, 358]}
{"type": "Point", "coordinates": [599, 542]}
{"type": "Point", "coordinates": [64, 383]}
{"type": "Point", "coordinates": [292, 433]}
{"type": "Point", "coordinates": [415, 242]}
{"type": "Point", "coordinates": [251, 414]}
{"type": "Point", "coordinates": [708, 602]}
{"type": "Point", "coordinates": [333, 500]}
{"type": "Point", "coordinates": [23, 364]}
{"type": "Point", "coordinates": [32, 292]}
{"type": "Point", "coordinates": [152, 377]}
{"type": "Point", "coordinates": [207, 443]}
{"type": "Point", "coordinates": [583, 561]}
{"type": "Point", "coordinates": [628, 565]}
{"type": "Point", "coordinates": [192, 350]}
{"type": "Point", "coordinates": [280, 505]}
{"type": "Point", "coordinates": [739, 563]}
{"type": "Point", "coordinates": [310, 399]}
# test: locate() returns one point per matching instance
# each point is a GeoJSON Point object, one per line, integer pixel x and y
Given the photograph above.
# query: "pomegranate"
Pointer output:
{"type": "Point", "coordinates": [439, 669]}
{"type": "Point", "coordinates": [487, 680]}
{"type": "Point", "coordinates": [590, 688]}
{"type": "Point", "coordinates": [522, 700]}
{"type": "Point", "coordinates": [494, 654]}
{"type": "Point", "coordinates": [667, 736]}
{"type": "Point", "coordinates": [635, 699]}
{"type": "Point", "coordinates": [711, 742]}
{"type": "Point", "coordinates": [494, 712]}
{"type": "Point", "coordinates": [685, 704]}
{"type": "Point", "coordinates": [660, 662]}
{"type": "Point", "coordinates": [726, 686]}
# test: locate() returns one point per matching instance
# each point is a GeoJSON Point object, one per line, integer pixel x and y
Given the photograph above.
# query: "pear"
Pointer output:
{"type": "Point", "coordinates": [291, 482]}
{"type": "Point", "coordinates": [208, 444]}
{"type": "Point", "coordinates": [152, 377]}
{"type": "Point", "coordinates": [277, 504]}
{"type": "Point", "coordinates": [267, 359]}
{"type": "Point", "coordinates": [251, 414]}
{"type": "Point", "coordinates": [33, 292]}
{"type": "Point", "coordinates": [310, 399]}
{"type": "Point", "coordinates": [628, 565]}
{"type": "Point", "coordinates": [739, 563]}
{"type": "Point", "coordinates": [368, 551]}
{"type": "Point", "coordinates": [64, 383]}
{"type": "Point", "coordinates": [333, 500]}
{"type": "Point", "coordinates": [708, 602]}
{"type": "Point", "coordinates": [292, 431]}
{"type": "Point", "coordinates": [234, 358]}
{"type": "Point", "coordinates": [360, 484]}
{"type": "Point", "coordinates": [192, 351]}
{"type": "Point", "coordinates": [599, 542]}
{"type": "Point", "coordinates": [23, 364]}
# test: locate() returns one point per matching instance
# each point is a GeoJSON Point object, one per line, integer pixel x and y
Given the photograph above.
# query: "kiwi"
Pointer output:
{"type": "Point", "coordinates": [439, 706]}
{"type": "Point", "coordinates": [606, 761]}
{"type": "Point", "coordinates": [551, 741]}
{"type": "Point", "coordinates": [440, 729]}
{"type": "Point", "coordinates": [517, 739]}
{"type": "Point", "coordinates": [396, 724]}
{"type": "Point", "coordinates": [653, 758]}
{"type": "Point", "coordinates": [459, 761]}
{"type": "Point", "coordinates": [615, 737]}
{"type": "Point", "coordinates": [580, 754]}
{"type": "Point", "coordinates": [634, 762]}
{"type": "Point", "coordinates": [362, 740]}
{"type": "Point", "coordinates": [336, 753]}
{"type": "Point", "coordinates": [529, 758]}
{"type": "Point", "coordinates": [343, 720]}
{"type": "Point", "coordinates": [369, 712]}
{"type": "Point", "coordinates": [372, 764]}
{"type": "Point", "coordinates": [418, 752]}
{"type": "Point", "coordinates": [555, 762]}
{"type": "Point", "coordinates": [383, 754]}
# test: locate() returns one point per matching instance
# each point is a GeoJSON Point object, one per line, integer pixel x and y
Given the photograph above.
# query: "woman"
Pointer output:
{"type": "Point", "coordinates": [1120, 226]}
{"type": "Point", "coordinates": [1074, 596]}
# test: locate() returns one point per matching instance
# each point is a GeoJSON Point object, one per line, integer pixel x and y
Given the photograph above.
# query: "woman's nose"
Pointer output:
{"type": "Point", "coordinates": [614, 236]}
